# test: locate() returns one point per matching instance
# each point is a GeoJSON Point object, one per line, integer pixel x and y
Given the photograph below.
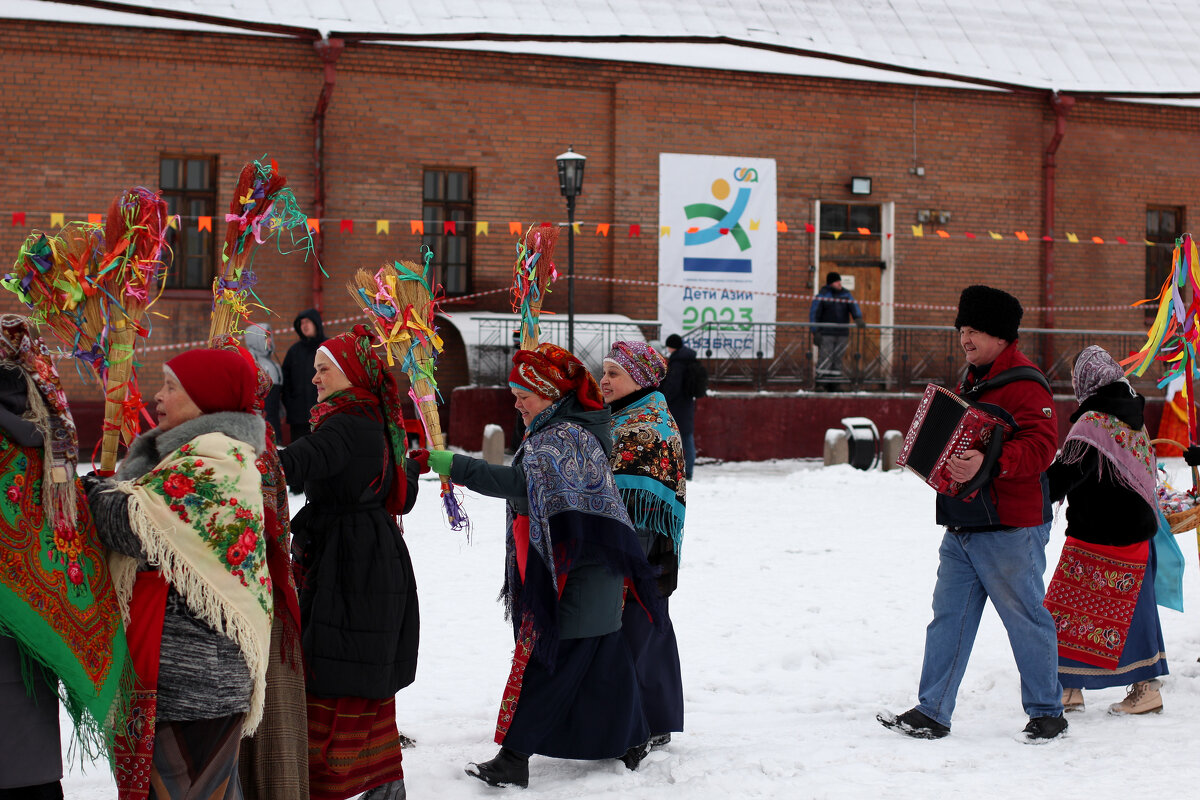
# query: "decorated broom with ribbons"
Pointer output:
{"type": "Point", "coordinates": [1172, 340]}
{"type": "Point", "coordinates": [91, 285]}
{"type": "Point", "coordinates": [401, 301]}
{"type": "Point", "coordinates": [262, 208]}
{"type": "Point", "coordinates": [533, 272]}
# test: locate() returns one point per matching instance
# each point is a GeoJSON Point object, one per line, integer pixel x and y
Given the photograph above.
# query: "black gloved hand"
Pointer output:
{"type": "Point", "coordinates": [1192, 456]}
{"type": "Point", "coordinates": [91, 483]}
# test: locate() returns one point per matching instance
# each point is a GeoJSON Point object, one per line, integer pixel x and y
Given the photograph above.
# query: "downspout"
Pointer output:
{"type": "Point", "coordinates": [1061, 104]}
{"type": "Point", "coordinates": [328, 50]}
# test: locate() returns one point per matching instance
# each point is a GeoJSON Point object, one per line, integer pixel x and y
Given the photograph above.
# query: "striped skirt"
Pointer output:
{"type": "Point", "coordinates": [353, 746]}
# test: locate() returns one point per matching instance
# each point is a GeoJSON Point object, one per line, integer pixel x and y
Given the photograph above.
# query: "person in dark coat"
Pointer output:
{"type": "Point", "coordinates": [830, 314]}
{"type": "Point", "coordinates": [1106, 471]}
{"type": "Point", "coordinates": [298, 393]}
{"type": "Point", "coordinates": [573, 689]}
{"type": "Point", "coordinates": [358, 595]}
{"type": "Point", "coordinates": [647, 461]}
{"type": "Point", "coordinates": [681, 404]}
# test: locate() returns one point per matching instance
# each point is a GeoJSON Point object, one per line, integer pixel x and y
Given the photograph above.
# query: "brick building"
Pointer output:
{"type": "Point", "coordinates": [421, 115]}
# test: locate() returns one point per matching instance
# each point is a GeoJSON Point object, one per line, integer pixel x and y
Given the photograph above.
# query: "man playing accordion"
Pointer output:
{"type": "Point", "coordinates": [995, 541]}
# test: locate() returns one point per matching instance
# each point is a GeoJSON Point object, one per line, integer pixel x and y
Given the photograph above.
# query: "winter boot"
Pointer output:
{"type": "Point", "coordinates": [1072, 700]}
{"type": "Point", "coordinates": [393, 790]}
{"type": "Point", "coordinates": [1143, 698]}
{"type": "Point", "coordinates": [1044, 729]}
{"type": "Point", "coordinates": [634, 755]}
{"type": "Point", "coordinates": [406, 741]}
{"type": "Point", "coordinates": [508, 768]}
{"type": "Point", "coordinates": [659, 740]}
{"type": "Point", "coordinates": [915, 724]}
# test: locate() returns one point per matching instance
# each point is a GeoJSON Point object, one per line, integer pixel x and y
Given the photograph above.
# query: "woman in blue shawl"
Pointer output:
{"type": "Point", "coordinates": [571, 550]}
{"type": "Point", "coordinates": [648, 463]}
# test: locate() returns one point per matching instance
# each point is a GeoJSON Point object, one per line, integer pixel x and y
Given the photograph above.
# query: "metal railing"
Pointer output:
{"type": "Point", "coordinates": [499, 338]}
{"type": "Point", "coordinates": [885, 357]}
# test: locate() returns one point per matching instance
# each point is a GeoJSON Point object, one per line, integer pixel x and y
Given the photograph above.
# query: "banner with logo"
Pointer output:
{"type": "Point", "coordinates": [717, 252]}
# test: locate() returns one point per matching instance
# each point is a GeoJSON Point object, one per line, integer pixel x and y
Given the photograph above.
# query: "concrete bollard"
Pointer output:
{"type": "Point", "coordinates": [893, 441]}
{"type": "Point", "coordinates": [493, 444]}
{"type": "Point", "coordinates": [837, 447]}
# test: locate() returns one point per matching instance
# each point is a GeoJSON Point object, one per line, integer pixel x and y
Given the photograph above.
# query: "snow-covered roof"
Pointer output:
{"type": "Point", "coordinates": [1100, 46]}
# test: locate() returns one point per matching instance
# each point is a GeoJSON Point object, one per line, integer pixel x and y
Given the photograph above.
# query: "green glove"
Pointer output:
{"type": "Point", "coordinates": [440, 461]}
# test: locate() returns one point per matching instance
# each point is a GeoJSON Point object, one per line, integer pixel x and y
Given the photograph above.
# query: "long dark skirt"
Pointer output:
{"type": "Point", "coordinates": [197, 759]}
{"type": "Point", "coordinates": [656, 658]}
{"type": "Point", "coordinates": [1144, 656]}
{"type": "Point", "coordinates": [590, 707]}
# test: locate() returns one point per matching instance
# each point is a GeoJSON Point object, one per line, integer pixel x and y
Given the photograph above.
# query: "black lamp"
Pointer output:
{"type": "Point", "coordinates": [570, 183]}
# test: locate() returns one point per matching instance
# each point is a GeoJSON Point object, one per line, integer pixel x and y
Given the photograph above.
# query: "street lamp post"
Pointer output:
{"type": "Point", "coordinates": [570, 183]}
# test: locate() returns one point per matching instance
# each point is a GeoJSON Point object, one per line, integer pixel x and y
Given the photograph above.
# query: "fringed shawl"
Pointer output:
{"type": "Point", "coordinates": [199, 517]}
{"type": "Point", "coordinates": [1125, 451]}
{"type": "Point", "coordinates": [648, 463]}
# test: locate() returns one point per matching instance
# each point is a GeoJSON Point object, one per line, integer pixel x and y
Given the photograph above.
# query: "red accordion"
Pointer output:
{"type": "Point", "coordinates": [944, 426]}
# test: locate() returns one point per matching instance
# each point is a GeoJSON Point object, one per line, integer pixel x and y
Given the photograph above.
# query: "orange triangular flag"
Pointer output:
{"type": "Point", "coordinates": [314, 224]}
{"type": "Point", "coordinates": [1097, 240]}
{"type": "Point", "coordinates": [95, 219]}
{"type": "Point", "coordinates": [602, 229]}
{"type": "Point", "coordinates": [205, 223]}
{"type": "Point", "coordinates": [943, 234]}
{"type": "Point", "coordinates": [864, 231]}
{"type": "Point", "coordinates": [1022, 235]}
{"type": "Point", "coordinates": [416, 226]}
{"type": "Point", "coordinates": [514, 228]}
{"type": "Point", "coordinates": [780, 226]}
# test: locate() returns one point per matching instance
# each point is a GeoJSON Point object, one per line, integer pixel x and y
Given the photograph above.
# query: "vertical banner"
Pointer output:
{"type": "Point", "coordinates": [721, 253]}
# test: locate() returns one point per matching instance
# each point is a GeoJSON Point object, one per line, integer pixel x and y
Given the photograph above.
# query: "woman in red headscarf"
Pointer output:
{"type": "Point", "coordinates": [358, 595]}
{"type": "Point", "coordinates": [571, 550]}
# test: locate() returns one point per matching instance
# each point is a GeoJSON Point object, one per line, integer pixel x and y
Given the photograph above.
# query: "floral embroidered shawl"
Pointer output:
{"type": "Point", "coordinates": [1125, 451]}
{"type": "Point", "coordinates": [648, 463]}
{"type": "Point", "coordinates": [199, 516]}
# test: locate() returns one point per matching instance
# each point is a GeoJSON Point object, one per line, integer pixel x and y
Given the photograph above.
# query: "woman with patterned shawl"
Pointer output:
{"type": "Point", "coordinates": [184, 517]}
{"type": "Point", "coordinates": [570, 549]}
{"type": "Point", "coordinates": [59, 619]}
{"type": "Point", "coordinates": [649, 466]}
{"type": "Point", "coordinates": [1102, 595]}
{"type": "Point", "coordinates": [360, 625]}
{"type": "Point", "coordinates": [274, 761]}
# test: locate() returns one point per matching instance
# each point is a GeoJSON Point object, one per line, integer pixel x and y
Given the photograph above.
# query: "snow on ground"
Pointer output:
{"type": "Point", "coordinates": [801, 613]}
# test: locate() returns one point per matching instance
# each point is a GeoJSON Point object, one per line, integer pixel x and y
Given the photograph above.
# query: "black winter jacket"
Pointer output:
{"type": "Point", "coordinates": [360, 625]}
{"type": "Point", "coordinates": [299, 394]}
{"type": "Point", "coordinates": [681, 406]}
{"type": "Point", "coordinates": [1099, 509]}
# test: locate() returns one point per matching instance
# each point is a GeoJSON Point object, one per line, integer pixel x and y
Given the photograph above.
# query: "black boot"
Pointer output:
{"type": "Point", "coordinates": [508, 768]}
{"type": "Point", "coordinates": [388, 791]}
{"type": "Point", "coordinates": [634, 755]}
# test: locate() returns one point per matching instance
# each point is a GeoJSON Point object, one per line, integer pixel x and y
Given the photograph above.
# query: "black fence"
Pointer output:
{"type": "Point", "coordinates": [781, 356]}
{"type": "Point", "coordinates": [497, 343]}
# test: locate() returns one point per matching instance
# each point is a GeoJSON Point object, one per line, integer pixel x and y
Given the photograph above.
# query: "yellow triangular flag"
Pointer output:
{"type": "Point", "coordinates": [481, 228]}
{"type": "Point", "coordinates": [753, 224]}
{"type": "Point", "coordinates": [383, 226]}
{"type": "Point", "coordinates": [837, 234]}
{"type": "Point", "coordinates": [173, 221]}
{"type": "Point", "coordinates": [575, 227]}
{"type": "Point", "coordinates": [994, 235]}
{"type": "Point", "coordinates": [918, 231]}
{"type": "Point", "coordinates": [57, 220]}
{"type": "Point", "coordinates": [1072, 238]}
{"type": "Point", "coordinates": [665, 230]}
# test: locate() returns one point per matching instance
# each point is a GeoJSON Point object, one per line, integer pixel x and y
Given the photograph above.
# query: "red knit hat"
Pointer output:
{"type": "Point", "coordinates": [551, 372]}
{"type": "Point", "coordinates": [216, 380]}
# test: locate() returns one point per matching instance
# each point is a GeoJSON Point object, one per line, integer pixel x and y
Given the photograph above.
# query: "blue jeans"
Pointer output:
{"type": "Point", "coordinates": [1006, 566]}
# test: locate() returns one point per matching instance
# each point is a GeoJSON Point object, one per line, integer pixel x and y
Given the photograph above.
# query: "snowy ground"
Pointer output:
{"type": "Point", "coordinates": [800, 614]}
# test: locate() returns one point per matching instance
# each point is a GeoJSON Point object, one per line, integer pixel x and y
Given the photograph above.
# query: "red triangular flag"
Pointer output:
{"type": "Point", "coordinates": [451, 227]}
{"type": "Point", "coordinates": [18, 218]}
{"type": "Point", "coordinates": [635, 230]}
{"type": "Point", "coordinates": [810, 228]}
{"type": "Point", "coordinates": [347, 226]}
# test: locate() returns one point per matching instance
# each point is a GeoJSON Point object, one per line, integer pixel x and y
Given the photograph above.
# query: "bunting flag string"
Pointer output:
{"type": "Point", "coordinates": [357, 226]}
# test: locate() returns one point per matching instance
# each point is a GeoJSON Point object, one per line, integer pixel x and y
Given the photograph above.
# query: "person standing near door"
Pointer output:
{"type": "Point", "coordinates": [830, 315]}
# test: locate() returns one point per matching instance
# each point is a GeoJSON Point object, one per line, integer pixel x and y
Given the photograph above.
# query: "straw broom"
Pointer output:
{"type": "Point", "coordinates": [262, 208]}
{"type": "Point", "coordinates": [533, 272]}
{"type": "Point", "coordinates": [401, 305]}
{"type": "Point", "coordinates": [129, 273]}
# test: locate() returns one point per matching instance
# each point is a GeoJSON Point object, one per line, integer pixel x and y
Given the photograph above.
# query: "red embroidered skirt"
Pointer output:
{"type": "Point", "coordinates": [353, 746]}
{"type": "Point", "coordinates": [1092, 598]}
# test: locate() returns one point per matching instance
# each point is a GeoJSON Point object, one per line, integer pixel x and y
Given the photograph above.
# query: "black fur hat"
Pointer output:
{"type": "Point", "coordinates": [989, 310]}
{"type": "Point", "coordinates": [832, 277]}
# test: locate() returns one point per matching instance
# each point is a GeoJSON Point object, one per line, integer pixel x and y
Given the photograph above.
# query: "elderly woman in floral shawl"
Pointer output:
{"type": "Point", "coordinates": [648, 463]}
{"type": "Point", "coordinates": [572, 691]}
{"type": "Point", "coordinates": [185, 519]}
{"type": "Point", "coordinates": [1109, 633]}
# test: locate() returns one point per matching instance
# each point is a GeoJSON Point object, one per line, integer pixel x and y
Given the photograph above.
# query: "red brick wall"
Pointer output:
{"type": "Point", "coordinates": [91, 108]}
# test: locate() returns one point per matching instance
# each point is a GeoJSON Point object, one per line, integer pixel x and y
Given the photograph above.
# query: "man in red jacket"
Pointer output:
{"type": "Point", "coordinates": [995, 543]}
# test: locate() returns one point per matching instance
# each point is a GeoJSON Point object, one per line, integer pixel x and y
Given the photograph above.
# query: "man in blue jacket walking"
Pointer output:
{"type": "Point", "coordinates": [830, 315]}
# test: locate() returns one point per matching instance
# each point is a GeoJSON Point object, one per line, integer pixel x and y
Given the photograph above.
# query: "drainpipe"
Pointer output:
{"type": "Point", "coordinates": [1061, 104]}
{"type": "Point", "coordinates": [328, 50]}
